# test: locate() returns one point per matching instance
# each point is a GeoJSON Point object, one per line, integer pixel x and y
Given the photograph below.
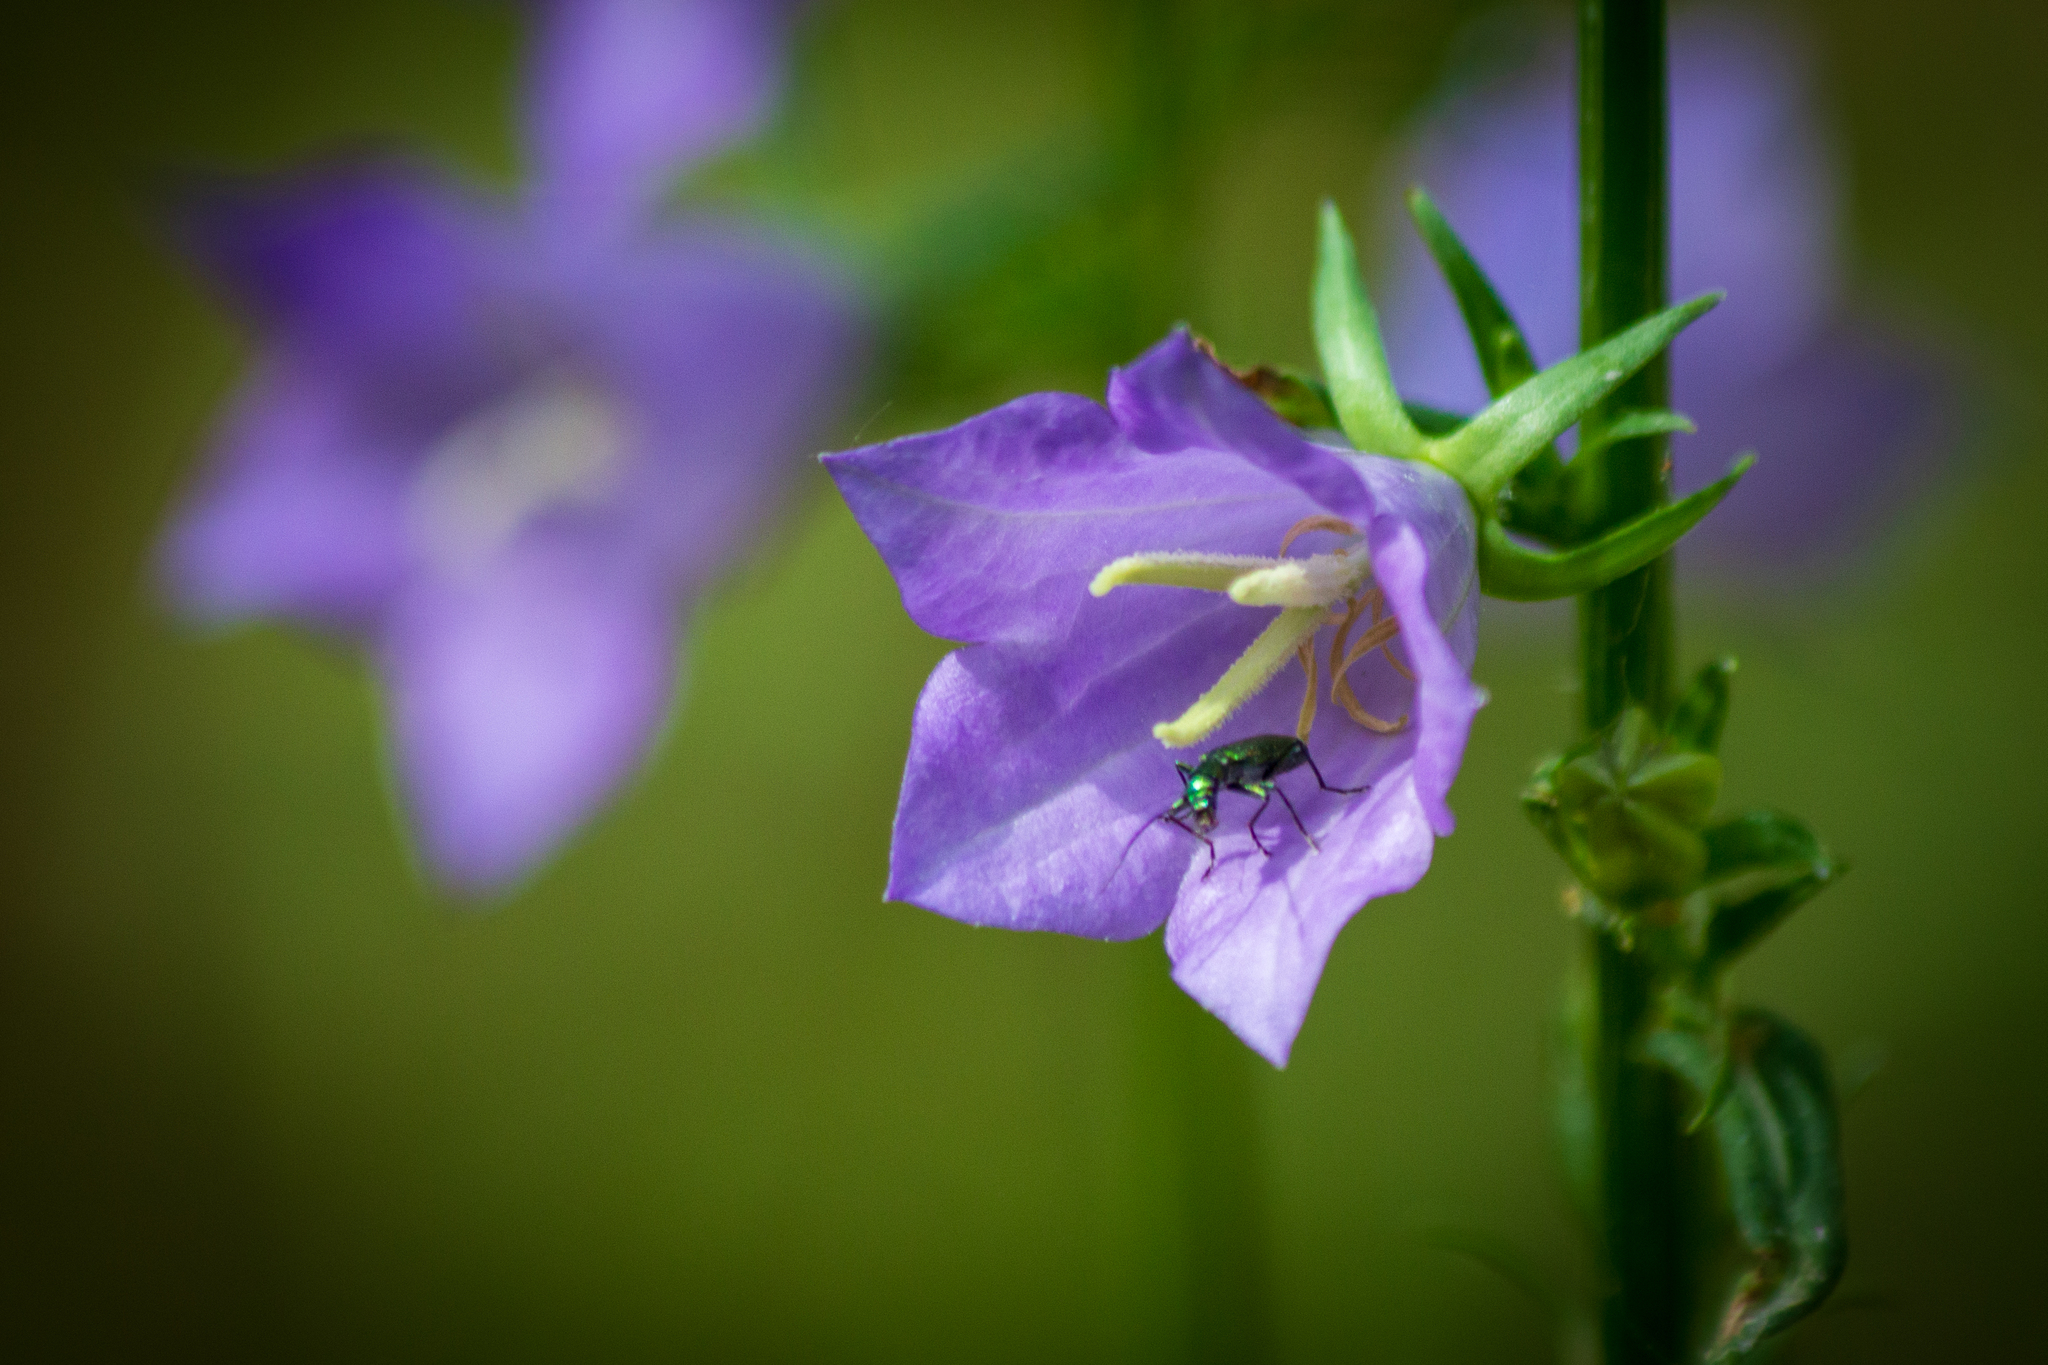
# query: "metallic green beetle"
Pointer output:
{"type": "Point", "coordinates": [1248, 766]}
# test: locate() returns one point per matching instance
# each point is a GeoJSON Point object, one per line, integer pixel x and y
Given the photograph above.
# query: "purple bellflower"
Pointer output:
{"type": "Point", "coordinates": [1180, 568]}
{"type": "Point", "coordinates": [1838, 404]}
{"type": "Point", "coordinates": [504, 445]}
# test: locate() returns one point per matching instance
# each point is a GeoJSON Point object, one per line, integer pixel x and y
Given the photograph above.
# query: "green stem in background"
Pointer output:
{"type": "Point", "coordinates": [1625, 629]}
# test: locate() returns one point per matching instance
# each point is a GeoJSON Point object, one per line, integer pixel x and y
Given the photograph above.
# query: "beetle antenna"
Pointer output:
{"type": "Point", "coordinates": [1342, 791]}
{"type": "Point", "coordinates": [1281, 792]}
{"type": "Point", "coordinates": [1133, 843]}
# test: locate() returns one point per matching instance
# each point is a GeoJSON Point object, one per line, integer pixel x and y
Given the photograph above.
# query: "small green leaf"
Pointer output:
{"type": "Point", "coordinates": [1485, 453]}
{"type": "Point", "coordinates": [1348, 343]}
{"type": "Point", "coordinates": [1518, 574]}
{"type": "Point", "coordinates": [1780, 1147]}
{"type": "Point", "coordinates": [1633, 424]}
{"type": "Point", "coordinates": [1761, 866]}
{"type": "Point", "coordinates": [1761, 839]}
{"type": "Point", "coordinates": [1703, 710]}
{"type": "Point", "coordinates": [1504, 358]}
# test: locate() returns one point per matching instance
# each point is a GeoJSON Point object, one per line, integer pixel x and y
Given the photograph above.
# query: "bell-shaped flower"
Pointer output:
{"type": "Point", "coordinates": [1842, 407]}
{"type": "Point", "coordinates": [506, 445]}
{"type": "Point", "coordinates": [1180, 568]}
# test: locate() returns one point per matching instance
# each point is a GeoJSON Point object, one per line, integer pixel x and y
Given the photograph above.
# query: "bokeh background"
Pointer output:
{"type": "Point", "coordinates": [697, 1092]}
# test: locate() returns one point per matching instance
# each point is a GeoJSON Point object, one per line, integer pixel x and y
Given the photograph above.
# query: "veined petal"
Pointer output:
{"type": "Point", "coordinates": [1175, 398]}
{"type": "Point", "coordinates": [1175, 569]}
{"type": "Point", "coordinates": [995, 528]}
{"type": "Point", "coordinates": [1249, 942]}
{"type": "Point", "coordinates": [1264, 657]}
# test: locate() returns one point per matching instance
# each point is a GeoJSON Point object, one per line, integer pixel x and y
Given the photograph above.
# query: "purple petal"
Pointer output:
{"type": "Point", "coordinates": [519, 701]}
{"type": "Point", "coordinates": [771, 342]}
{"type": "Point", "coordinates": [377, 272]}
{"type": "Point", "coordinates": [301, 515]}
{"type": "Point", "coordinates": [1173, 397]}
{"type": "Point", "coordinates": [624, 93]}
{"type": "Point", "coordinates": [1250, 942]}
{"type": "Point", "coordinates": [1436, 599]}
{"type": "Point", "coordinates": [1032, 768]}
{"type": "Point", "coordinates": [994, 528]}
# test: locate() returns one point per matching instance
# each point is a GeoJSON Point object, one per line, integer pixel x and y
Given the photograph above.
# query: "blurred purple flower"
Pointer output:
{"type": "Point", "coordinates": [1838, 404]}
{"type": "Point", "coordinates": [1031, 764]}
{"type": "Point", "coordinates": [504, 446]}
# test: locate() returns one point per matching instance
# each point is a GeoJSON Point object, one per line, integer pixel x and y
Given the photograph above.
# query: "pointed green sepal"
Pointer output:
{"type": "Point", "coordinates": [1487, 451]}
{"type": "Point", "coordinates": [1761, 866]}
{"type": "Point", "coordinates": [1518, 574]}
{"type": "Point", "coordinates": [1504, 358]}
{"type": "Point", "coordinates": [1779, 1139]}
{"type": "Point", "coordinates": [1433, 421]}
{"type": "Point", "coordinates": [1348, 343]}
{"type": "Point", "coordinates": [1703, 710]}
{"type": "Point", "coordinates": [1636, 423]}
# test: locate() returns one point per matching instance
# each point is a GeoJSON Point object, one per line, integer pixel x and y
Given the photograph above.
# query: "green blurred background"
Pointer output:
{"type": "Point", "coordinates": [698, 1093]}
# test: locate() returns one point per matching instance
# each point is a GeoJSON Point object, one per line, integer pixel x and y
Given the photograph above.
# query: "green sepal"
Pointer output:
{"type": "Point", "coordinates": [1761, 866]}
{"type": "Point", "coordinates": [1634, 424]}
{"type": "Point", "coordinates": [1433, 422]}
{"type": "Point", "coordinates": [1697, 720]}
{"type": "Point", "coordinates": [1295, 397]}
{"type": "Point", "coordinates": [1519, 574]}
{"type": "Point", "coordinates": [1504, 357]}
{"type": "Point", "coordinates": [1348, 344]}
{"type": "Point", "coordinates": [1487, 451]}
{"type": "Point", "coordinates": [1533, 503]}
{"type": "Point", "coordinates": [1779, 1140]}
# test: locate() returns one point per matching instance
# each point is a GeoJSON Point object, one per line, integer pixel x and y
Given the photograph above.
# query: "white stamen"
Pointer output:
{"type": "Point", "coordinates": [550, 444]}
{"type": "Point", "coordinates": [1173, 569]}
{"type": "Point", "coordinates": [1254, 668]}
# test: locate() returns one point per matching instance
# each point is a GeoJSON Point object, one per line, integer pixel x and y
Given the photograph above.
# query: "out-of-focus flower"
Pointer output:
{"type": "Point", "coordinates": [1104, 568]}
{"type": "Point", "coordinates": [504, 445]}
{"type": "Point", "coordinates": [1838, 404]}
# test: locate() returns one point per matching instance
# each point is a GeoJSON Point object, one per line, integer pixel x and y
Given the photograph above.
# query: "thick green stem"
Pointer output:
{"type": "Point", "coordinates": [1626, 653]}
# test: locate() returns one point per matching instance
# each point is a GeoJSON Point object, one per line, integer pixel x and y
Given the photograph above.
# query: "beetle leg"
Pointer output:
{"type": "Point", "coordinates": [1251, 826]}
{"type": "Point", "coordinates": [1176, 821]}
{"type": "Point", "coordinates": [1297, 820]}
{"type": "Point", "coordinates": [1342, 791]}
